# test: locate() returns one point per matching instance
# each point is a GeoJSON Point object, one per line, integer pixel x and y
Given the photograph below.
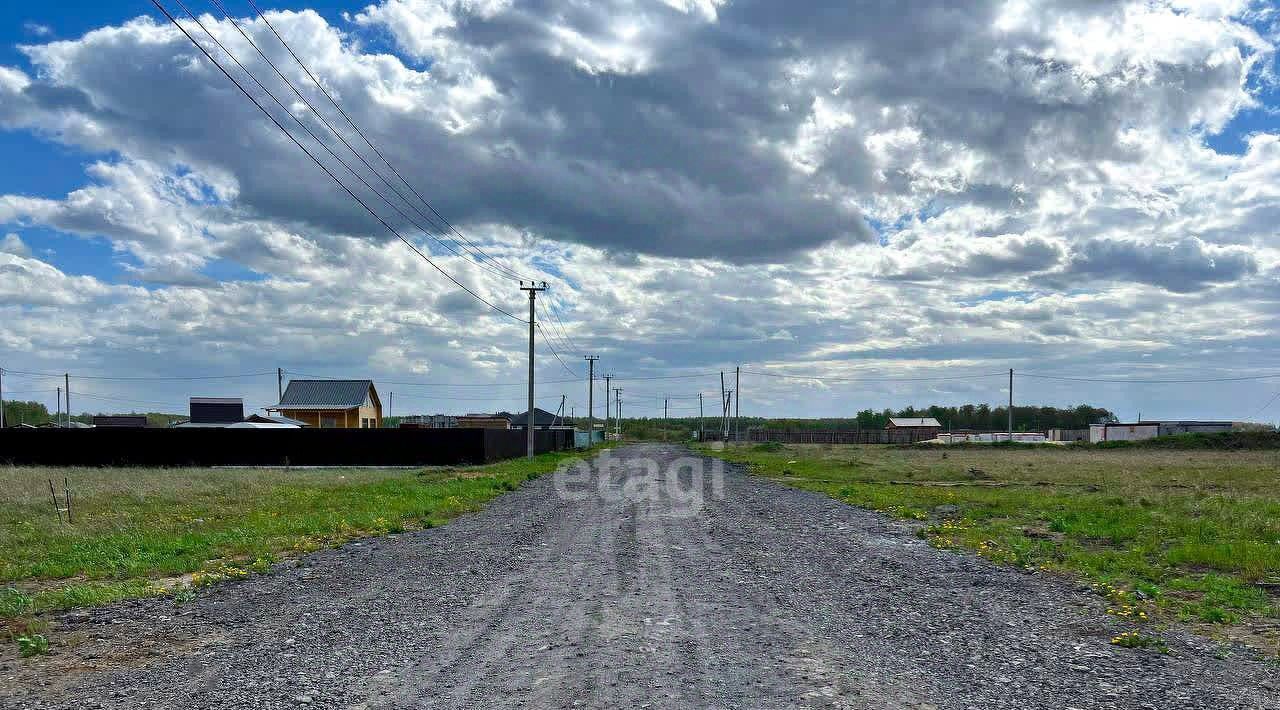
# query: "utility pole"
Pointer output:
{"type": "Point", "coordinates": [666, 418]}
{"type": "Point", "coordinates": [702, 434]}
{"type": "Point", "coordinates": [67, 381]}
{"type": "Point", "coordinates": [1011, 404]}
{"type": "Point", "coordinates": [606, 404]}
{"type": "Point", "coordinates": [737, 402]}
{"type": "Point", "coordinates": [279, 384]}
{"type": "Point", "coordinates": [617, 400]}
{"type": "Point", "coordinates": [722, 402]}
{"type": "Point", "coordinates": [533, 289]}
{"type": "Point", "coordinates": [57, 417]}
{"type": "Point", "coordinates": [591, 403]}
{"type": "Point", "coordinates": [391, 402]}
{"type": "Point", "coordinates": [1, 397]}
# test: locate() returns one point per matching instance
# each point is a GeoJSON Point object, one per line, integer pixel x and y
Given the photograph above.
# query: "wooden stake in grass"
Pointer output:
{"type": "Point", "coordinates": [66, 490]}
{"type": "Point", "coordinates": [54, 495]}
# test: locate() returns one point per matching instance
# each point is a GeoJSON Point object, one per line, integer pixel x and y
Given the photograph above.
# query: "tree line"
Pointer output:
{"type": "Point", "coordinates": [35, 414]}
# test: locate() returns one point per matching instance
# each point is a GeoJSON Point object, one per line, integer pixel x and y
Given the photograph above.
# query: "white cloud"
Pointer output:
{"type": "Point", "coordinates": [693, 176]}
{"type": "Point", "coordinates": [13, 244]}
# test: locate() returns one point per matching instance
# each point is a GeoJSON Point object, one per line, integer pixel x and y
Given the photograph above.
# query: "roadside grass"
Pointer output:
{"type": "Point", "coordinates": [137, 532]}
{"type": "Point", "coordinates": [1184, 535]}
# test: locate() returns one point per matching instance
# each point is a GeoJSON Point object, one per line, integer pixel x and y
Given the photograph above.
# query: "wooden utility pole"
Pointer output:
{"type": "Point", "coordinates": [391, 402]}
{"type": "Point", "coordinates": [1, 397]}
{"type": "Point", "coordinates": [533, 289]}
{"type": "Point", "coordinates": [67, 381]}
{"type": "Point", "coordinates": [591, 402]}
{"type": "Point", "coordinates": [666, 418]}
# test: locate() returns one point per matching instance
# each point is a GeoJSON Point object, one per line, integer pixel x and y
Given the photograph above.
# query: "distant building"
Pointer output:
{"type": "Point", "coordinates": [542, 419]}
{"type": "Point", "coordinates": [120, 421]}
{"type": "Point", "coordinates": [216, 410]}
{"type": "Point", "coordinates": [917, 425]}
{"type": "Point", "coordinates": [332, 404]}
{"type": "Point", "coordinates": [1068, 435]}
{"type": "Point", "coordinates": [273, 419]}
{"type": "Point", "coordinates": [213, 412]}
{"type": "Point", "coordinates": [1141, 431]}
{"type": "Point", "coordinates": [431, 421]}
{"type": "Point", "coordinates": [484, 421]}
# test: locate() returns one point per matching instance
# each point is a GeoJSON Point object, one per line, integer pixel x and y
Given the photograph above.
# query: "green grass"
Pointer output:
{"type": "Point", "coordinates": [1191, 530]}
{"type": "Point", "coordinates": [136, 530]}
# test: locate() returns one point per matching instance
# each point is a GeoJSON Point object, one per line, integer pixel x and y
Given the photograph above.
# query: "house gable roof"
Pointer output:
{"type": "Point", "coordinates": [327, 394]}
{"type": "Point", "coordinates": [541, 417]}
{"type": "Point", "coordinates": [915, 422]}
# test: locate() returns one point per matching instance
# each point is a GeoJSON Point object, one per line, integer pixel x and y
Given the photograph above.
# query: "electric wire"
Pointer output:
{"type": "Point", "coordinates": [823, 378]}
{"type": "Point", "coordinates": [1247, 378]}
{"type": "Point", "coordinates": [314, 159]}
{"type": "Point", "coordinates": [359, 156]}
{"type": "Point", "coordinates": [511, 273]}
{"type": "Point", "coordinates": [553, 349]}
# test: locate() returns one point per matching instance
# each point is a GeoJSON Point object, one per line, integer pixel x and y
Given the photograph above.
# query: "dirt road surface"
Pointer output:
{"type": "Point", "coordinates": [638, 585]}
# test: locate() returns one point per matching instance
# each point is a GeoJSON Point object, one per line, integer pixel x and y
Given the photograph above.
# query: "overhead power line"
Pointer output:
{"type": "Point", "coordinates": [474, 247]}
{"type": "Point", "coordinates": [183, 378]}
{"type": "Point", "coordinates": [436, 228]}
{"type": "Point", "coordinates": [878, 378]}
{"type": "Point", "coordinates": [1128, 381]}
{"type": "Point", "coordinates": [553, 351]}
{"type": "Point", "coordinates": [309, 154]}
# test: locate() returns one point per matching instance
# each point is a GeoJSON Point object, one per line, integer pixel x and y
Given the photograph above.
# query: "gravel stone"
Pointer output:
{"type": "Point", "coordinates": [613, 592]}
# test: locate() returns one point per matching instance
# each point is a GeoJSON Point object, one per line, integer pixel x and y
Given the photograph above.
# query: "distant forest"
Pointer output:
{"type": "Point", "coordinates": [982, 417]}
{"type": "Point", "coordinates": [986, 417]}
{"type": "Point", "coordinates": [35, 413]}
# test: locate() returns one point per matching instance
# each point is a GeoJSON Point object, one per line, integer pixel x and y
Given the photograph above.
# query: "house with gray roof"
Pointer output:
{"type": "Point", "coordinates": [331, 404]}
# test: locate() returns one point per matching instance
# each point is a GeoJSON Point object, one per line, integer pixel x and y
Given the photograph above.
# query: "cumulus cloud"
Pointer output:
{"type": "Point", "coordinates": [13, 244]}
{"type": "Point", "coordinates": [1187, 265]}
{"type": "Point", "coordinates": [934, 186]}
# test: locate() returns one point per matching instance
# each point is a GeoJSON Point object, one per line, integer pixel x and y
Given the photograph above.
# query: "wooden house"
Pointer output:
{"type": "Point", "coordinates": [332, 404]}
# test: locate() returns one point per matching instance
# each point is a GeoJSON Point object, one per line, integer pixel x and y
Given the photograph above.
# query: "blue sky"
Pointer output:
{"type": "Point", "coordinates": [697, 199]}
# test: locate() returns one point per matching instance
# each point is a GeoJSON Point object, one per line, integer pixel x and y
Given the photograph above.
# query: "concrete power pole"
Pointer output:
{"type": "Point", "coordinates": [737, 401]}
{"type": "Point", "coordinates": [67, 381]}
{"type": "Point", "coordinates": [591, 402]}
{"type": "Point", "coordinates": [617, 401]}
{"type": "Point", "coordinates": [57, 417]}
{"type": "Point", "coordinates": [702, 434]}
{"type": "Point", "coordinates": [1, 397]}
{"type": "Point", "coordinates": [666, 418]}
{"type": "Point", "coordinates": [1011, 404]}
{"type": "Point", "coordinates": [279, 384]}
{"type": "Point", "coordinates": [606, 404]}
{"type": "Point", "coordinates": [722, 403]}
{"type": "Point", "coordinates": [533, 289]}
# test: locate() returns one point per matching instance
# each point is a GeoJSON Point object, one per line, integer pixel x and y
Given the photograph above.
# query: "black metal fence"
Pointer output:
{"type": "Point", "coordinates": [269, 447]}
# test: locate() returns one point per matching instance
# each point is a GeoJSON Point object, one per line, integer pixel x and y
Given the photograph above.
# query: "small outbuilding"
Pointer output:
{"type": "Point", "coordinates": [120, 421]}
{"type": "Point", "coordinates": [332, 404]}
{"type": "Point", "coordinates": [925, 427]}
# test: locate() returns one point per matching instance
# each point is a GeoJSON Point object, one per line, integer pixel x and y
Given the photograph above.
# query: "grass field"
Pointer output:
{"type": "Point", "coordinates": [1165, 534]}
{"type": "Point", "coordinates": [137, 532]}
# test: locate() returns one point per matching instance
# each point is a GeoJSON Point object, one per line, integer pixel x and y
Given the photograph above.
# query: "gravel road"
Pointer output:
{"type": "Point", "coordinates": [635, 587]}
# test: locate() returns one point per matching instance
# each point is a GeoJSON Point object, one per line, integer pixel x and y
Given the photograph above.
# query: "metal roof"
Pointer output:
{"type": "Point", "coordinates": [324, 394]}
{"type": "Point", "coordinates": [915, 421]}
